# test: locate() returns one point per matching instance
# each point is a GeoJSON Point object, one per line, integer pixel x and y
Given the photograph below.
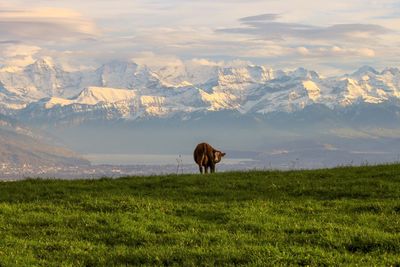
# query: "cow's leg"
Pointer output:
{"type": "Point", "coordinates": [206, 169]}
{"type": "Point", "coordinates": [212, 167]}
{"type": "Point", "coordinates": [201, 169]}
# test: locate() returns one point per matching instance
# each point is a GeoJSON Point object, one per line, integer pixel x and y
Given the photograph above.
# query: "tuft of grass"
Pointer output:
{"type": "Point", "coordinates": [342, 216]}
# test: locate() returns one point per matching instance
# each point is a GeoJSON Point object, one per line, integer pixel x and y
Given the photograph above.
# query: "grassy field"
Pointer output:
{"type": "Point", "coordinates": [343, 216]}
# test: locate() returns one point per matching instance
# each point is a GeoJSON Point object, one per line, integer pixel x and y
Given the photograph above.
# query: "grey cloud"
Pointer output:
{"type": "Point", "coordinates": [260, 26]}
{"type": "Point", "coordinates": [10, 42]}
{"type": "Point", "coordinates": [262, 17]}
{"type": "Point", "coordinates": [346, 31]}
{"type": "Point", "coordinates": [271, 30]}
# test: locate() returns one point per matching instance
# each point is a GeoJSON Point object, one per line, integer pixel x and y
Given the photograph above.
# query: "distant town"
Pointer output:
{"type": "Point", "coordinates": [13, 172]}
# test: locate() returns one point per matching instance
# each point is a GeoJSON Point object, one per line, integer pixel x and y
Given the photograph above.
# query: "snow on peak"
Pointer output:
{"type": "Point", "coordinates": [95, 95]}
{"type": "Point", "coordinates": [57, 101]}
{"type": "Point", "coordinates": [118, 66]}
{"type": "Point", "coordinates": [44, 63]}
{"type": "Point", "coordinates": [124, 74]}
{"type": "Point", "coordinates": [312, 89]}
{"type": "Point", "coordinates": [303, 73]}
{"type": "Point", "coordinates": [10, 69]}
{"type": "Point", "coordinates": [219, 100]}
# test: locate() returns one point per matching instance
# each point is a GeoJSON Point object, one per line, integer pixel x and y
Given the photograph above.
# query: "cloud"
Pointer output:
{"type": "Point", "coordinates": [10, 42]}
{"type": "Point", "coordinates": [266, 27]}
{"type": "Point", "coordinates": [220, 63]}
{"type": "Point", "coordinates": [18, 55]}
{"type": "Point", "coordinates": [261, 17]}
{"type": "Point", "coordinates": [205, 62]}
{"type": "Point", "coordinates": [162, 60]}
{"type": "Point", "coordinates": [335, 51]}
{"type": "Point", "coordinates": [151, 59]}
{"type": "Point", "coordinates": [19, 50]}
{"type": "Point", "coordinates": [45, 24]}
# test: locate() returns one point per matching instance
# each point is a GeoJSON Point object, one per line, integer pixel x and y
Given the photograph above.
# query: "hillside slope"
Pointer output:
{"type": "Point", "coordinates": [20, 146]}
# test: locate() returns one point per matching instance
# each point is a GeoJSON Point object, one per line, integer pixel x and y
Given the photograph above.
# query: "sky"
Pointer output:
{"type": "Point", "coordinates": [331, 37]}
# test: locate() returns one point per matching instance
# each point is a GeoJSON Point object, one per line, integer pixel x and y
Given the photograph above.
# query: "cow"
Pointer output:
{"type": "Point", "coordinates": [206, 157]}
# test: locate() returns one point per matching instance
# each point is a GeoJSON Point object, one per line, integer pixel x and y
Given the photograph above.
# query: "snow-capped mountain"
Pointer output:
{"type": "Point", "coordinates": [126, 90]}
{"type": "Point", "coordinates": [41, 79]}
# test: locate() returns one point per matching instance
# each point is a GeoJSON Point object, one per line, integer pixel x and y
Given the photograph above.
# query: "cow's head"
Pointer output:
{"type": "Point", "coordinates": [218, 156]}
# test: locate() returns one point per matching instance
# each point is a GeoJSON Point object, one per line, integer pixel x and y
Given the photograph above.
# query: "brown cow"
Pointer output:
{"type": "Point", "coordinates": [206, 156]}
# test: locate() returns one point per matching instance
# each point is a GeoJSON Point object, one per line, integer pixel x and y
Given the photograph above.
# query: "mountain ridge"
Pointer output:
{"type": "Point", "coordinates": [126, 90]}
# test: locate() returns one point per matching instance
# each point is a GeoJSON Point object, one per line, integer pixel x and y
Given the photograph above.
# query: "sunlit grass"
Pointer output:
{"type": "Point", "coordinates": [343, 216]}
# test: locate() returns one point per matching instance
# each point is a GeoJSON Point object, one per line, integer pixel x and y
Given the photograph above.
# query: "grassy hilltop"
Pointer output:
{"type": "Point", "coordinates": [343, 216]}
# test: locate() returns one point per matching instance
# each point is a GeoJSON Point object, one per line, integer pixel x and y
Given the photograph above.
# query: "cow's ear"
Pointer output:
{"type": "Point", "coordinates": [223, 154]}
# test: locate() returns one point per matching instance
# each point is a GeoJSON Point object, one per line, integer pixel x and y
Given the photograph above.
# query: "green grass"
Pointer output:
{"type": "Point", "coordinates": [343, 216]}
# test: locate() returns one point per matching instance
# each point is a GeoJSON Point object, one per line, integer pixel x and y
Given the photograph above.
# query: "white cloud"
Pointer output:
{"type": "Point", "coordinates": [18, 55]}
{"type": "Point", "coordinates": [206, 62]}
{"type": "Point", "coordinates": [151, 59]}
{"type": "Point", "coordinates": [220, 63]}
{"type": "Point", "coordinates": [19, 50]}
{"type": "Point", "coordinates": [335, 51]}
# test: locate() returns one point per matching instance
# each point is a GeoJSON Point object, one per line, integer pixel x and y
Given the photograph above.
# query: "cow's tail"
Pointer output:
{"type": "Point", "coordinates": [203, 155]}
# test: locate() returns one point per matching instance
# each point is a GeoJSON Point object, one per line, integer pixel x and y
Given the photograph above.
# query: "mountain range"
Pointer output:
{"type": "Point", "coordinates": [122, 90]}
